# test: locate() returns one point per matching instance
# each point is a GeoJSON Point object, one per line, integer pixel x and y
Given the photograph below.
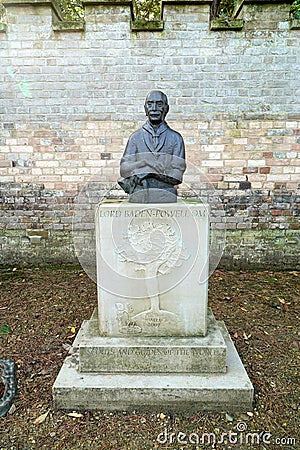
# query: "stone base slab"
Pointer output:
{"type": "Point", "coordinates": [151, 354]}
{"type": "Point", "coordinates": [231, 392]}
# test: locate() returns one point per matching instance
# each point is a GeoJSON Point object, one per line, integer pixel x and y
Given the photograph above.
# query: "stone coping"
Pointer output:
{"type": "Point", "coordinates": [221, 24]}
{"type": "Point", "coordinates": [295, 24]}
{"type": "Point", "coordinates": [55, 5]}
{"type": "Point", "coordinates": [59, 24]}
{"type": "Point", "coordinates": [130, 2]}
{"type": "Point", "coordinates": [52, 3]}
{"type": "Point", "coordinates": [67, 25]}
{"type": "Point", "coordinates": [147, 25]}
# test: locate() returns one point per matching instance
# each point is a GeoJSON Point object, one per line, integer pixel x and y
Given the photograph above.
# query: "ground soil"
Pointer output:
{"type": "Point", "coordinates": [41, 309]}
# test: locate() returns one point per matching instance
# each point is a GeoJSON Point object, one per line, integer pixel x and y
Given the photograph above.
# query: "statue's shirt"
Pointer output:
{"type": "Point", "coordinates": [162, 150]}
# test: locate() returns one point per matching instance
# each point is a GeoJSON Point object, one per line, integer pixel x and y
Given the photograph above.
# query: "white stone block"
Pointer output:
{"type": "Point", "coordinates": [152, 269]}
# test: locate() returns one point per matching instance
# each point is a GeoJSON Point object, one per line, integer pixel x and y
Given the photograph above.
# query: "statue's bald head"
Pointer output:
{"type": "Point", "coordinates": [156, 107]}
{"type": "Point", "coordinates": [157, 94]}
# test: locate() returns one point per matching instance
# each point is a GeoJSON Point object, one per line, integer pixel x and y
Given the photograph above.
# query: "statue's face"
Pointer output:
{"type": "Point", "coordinates": [156, 107]}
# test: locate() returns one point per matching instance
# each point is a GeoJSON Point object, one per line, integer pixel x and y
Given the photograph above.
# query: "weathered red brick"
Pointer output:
{"type": "Point", "coordinates": [264, 170]}
{"type": "Point", "coordinates": [268, 155]}
{"type": "Point", "coordinates": [250, 170]}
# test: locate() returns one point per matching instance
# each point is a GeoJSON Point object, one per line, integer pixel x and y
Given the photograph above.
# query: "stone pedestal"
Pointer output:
{"type": "Point", "coordinates": [152, 269]}
{"type": "Point", "coordinates": [152, 342]}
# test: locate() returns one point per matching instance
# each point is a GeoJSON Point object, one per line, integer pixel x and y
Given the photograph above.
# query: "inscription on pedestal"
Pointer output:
{"type": "Point", "coordinates": [153, 354]}
{"type": "Point", "coordinates": [152, 269]}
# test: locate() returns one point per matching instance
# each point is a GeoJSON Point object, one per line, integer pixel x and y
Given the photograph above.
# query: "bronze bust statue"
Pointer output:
{"type": "Point", "coordinates": [153, 162]}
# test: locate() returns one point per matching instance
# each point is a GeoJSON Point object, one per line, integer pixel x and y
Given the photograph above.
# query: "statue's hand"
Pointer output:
{"type": "Point", "coordinates": [160, 168]}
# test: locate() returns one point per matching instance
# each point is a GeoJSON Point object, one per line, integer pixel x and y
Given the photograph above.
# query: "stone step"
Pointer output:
{"type": "Point", "coordinates": [231, 391]}
{"type": "Point", "coordinates": [151, 354]}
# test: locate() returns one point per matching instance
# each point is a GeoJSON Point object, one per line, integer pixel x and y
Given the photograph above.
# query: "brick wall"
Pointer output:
{"type": "Point", "coordinates": [69, 101]}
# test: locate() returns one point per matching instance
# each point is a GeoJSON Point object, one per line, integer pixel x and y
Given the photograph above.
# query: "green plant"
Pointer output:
{"type": "Point", "coordinates": [72, 9]}
{"type": "Point", "coordinates": [148, 10]}
{"type": "Point", "coordinates": [226, 8]}
{"type": "Point", "coordinates": [295, 10]}
{"type": "Point", "coordinates": [2, 13]}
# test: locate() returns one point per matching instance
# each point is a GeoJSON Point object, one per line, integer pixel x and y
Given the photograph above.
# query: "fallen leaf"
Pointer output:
{"type": "Point", "coordinates": [12, 409]}
{"type": "Point", "coordinates": [41, 418]}
{"type": "Point", "coordinates": [66, 347]}
{"type": "Point", "coordinates": [45, 371]}
{"type": "Point", "coordinates": [244, 417]}
{"type": "Point", "coordinates": [246, 337]}
{"type": "Point", "coordinates": [75, 414]}
{"type": "Point", "coordinates": [228, 418]}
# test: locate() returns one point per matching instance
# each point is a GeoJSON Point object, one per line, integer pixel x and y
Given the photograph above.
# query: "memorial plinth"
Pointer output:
{"type": "Point", "coordinates": [152, 341]}
{"type": "Point", "coordinates": [152, 269]}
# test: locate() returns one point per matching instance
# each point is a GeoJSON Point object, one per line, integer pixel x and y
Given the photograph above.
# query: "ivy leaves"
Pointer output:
{"type": "Point", "coordinates": [295, 10]}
